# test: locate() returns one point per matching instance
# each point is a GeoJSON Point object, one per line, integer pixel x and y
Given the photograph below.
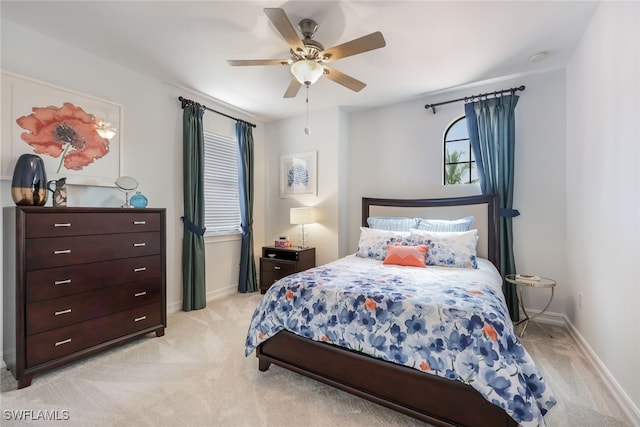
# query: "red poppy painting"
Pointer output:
{"type": "Point", "coordinates": [66, 132]}
{"type": "Point", "coordinates": [77, 136]}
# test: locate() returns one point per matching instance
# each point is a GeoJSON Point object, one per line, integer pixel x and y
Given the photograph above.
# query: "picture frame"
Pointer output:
{"type": "Point", "coordinates": [78, 136]}
{"type": "Point", "coordinates": [298, 174]}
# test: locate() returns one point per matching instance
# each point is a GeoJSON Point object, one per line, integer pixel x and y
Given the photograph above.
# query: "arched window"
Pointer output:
{"type": "Point", "coordinates": [459, 162]}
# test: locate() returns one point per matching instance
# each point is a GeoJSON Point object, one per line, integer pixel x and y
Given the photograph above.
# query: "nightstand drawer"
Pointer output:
{"type": "Point", "coordinates": [283, 268]}
{"type": "Point", "coordinates": [268, 278]}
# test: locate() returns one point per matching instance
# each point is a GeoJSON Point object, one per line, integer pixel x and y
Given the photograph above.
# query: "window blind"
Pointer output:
{"type": "Point", "coordinates": [221, 200]}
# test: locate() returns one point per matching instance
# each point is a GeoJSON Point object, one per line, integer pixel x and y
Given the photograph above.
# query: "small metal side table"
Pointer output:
{"type": "Point", "coordinates": [532, 282]}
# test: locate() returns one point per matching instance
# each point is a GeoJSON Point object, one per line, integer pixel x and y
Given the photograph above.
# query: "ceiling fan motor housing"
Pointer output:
{"type": "Point", "coordinates": [308, 28]}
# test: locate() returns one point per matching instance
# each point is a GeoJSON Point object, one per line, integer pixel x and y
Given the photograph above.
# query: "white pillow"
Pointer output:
{"type": "Point", "coordinates": [450, 249]}
{"type": "Point", "coordinates": [373, 243]}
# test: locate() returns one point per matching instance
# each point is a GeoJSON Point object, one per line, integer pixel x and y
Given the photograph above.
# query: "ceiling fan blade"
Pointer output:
{"type": "Point", "coordinates": [282, 23]}
{"type": "Point", "coordinates": [293, 89]}
{"type": "Point", "coordinates": [243, 62]}
{"type": "Point", "coordinates": [363, 44]}
{"type": "Point", "coordinates": [343, 79]}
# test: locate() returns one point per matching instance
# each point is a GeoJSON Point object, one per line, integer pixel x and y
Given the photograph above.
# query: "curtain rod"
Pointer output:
{"type": "Point", "coordinates": [186, 102]}
{"type": "Point", "coordinates": [466, 98]}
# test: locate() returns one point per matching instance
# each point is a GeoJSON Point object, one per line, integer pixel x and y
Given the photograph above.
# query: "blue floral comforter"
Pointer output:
{"type": "Point", "coordinates": [450, 322]}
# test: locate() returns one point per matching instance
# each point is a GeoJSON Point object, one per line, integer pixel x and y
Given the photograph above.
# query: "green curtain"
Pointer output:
{"type": "Point", "coordinates": [491, 125]}
{"type": "Point", "coordinates": [193, 267]}
{"type": "Point", "coordinates": [247, 282]}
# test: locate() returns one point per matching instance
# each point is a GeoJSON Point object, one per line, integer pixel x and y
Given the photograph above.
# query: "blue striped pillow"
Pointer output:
{"type": "Point", "coordinates": [462, 224]}
{"type": "Point", "coordinates": [392, 223]}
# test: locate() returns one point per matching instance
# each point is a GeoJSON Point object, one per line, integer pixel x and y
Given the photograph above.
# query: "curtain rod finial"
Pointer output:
{"type": "Point", "coordinates": [432, 106]}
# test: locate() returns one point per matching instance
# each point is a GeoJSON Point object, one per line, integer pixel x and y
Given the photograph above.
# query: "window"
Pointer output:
{"type": "Point", "coordinates": [221, 199]}
{"type": "Point", "coordinates": [459, 162]}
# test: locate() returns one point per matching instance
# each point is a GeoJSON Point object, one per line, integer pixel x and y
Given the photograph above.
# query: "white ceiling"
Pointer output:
{"type": "Point", "coordinates": [431, 46]}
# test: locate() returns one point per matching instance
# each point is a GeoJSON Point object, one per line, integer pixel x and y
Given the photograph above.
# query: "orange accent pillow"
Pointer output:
{"type": "Point", "coordinates": [412, 256]}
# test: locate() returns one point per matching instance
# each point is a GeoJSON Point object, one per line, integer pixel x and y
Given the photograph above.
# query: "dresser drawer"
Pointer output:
{"type": "Point", "coordinates": [61, 342]}
{"type": "Point", "coordinates": [60, 251]}
{"type": "Point", "coordinates": [49, 224]}
{"type": "Point", "coordinates": [55, 313]}
{"type": "Point", "coordinates": [62, 281]}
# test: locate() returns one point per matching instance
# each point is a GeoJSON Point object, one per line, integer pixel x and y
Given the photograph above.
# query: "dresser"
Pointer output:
{"type": "Point", "coordinates": [277, 263]}
{"type": "Point", "coordinates": [77, 281]}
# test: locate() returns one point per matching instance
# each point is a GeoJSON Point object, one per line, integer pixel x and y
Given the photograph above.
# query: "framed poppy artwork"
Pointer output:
{"type": "Point", "coordinates": [298, 174]}
{"type": "Point", "coordinates": [77, 136]}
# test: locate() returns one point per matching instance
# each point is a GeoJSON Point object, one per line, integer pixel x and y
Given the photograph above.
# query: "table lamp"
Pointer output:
{"type": "Point", "coordinates": [302, 216]}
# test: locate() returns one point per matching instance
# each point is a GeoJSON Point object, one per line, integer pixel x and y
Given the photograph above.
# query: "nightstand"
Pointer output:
{"type": "Point", "coordinates": [532, 282]}
{"type": "Point", "coordinates": [277, 263]}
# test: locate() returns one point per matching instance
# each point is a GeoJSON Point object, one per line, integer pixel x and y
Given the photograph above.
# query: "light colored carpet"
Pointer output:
{"type": "Point", "coordinates": [197, 375]}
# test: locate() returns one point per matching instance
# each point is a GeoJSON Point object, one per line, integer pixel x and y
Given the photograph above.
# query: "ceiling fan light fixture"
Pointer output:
{"type": "Point", "coordinates": [306, 71]}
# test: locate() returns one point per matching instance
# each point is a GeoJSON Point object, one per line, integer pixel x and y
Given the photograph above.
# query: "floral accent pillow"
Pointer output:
{"type": "Point", "coordinates": [449, 249]}
{"type": "Point", "coordinates": [462, 224]}
{"type": "Point", "coordinates": [373, 243]}
{"type": "Point", "coordinates": [410, 256]}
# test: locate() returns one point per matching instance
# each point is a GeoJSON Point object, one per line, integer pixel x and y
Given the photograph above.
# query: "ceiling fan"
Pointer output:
{"type": "Point", "coordinates": [308, 57]}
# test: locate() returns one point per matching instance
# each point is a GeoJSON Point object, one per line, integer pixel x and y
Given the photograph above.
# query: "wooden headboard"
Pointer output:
{"type": "Point", "coordinates": [484, 208]}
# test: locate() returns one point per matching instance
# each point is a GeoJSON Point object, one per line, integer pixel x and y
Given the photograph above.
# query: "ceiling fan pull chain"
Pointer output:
{"type": "Point", "coordinates": [307, 129]}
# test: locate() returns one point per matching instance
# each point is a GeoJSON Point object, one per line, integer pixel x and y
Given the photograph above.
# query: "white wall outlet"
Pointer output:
{"type": "Point", "coordinates": [580, 299]}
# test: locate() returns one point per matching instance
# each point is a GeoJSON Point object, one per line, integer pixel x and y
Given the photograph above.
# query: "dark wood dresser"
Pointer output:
{"type": "Point", "coordinates": [277, 263]}
{"type": "Point", "coordinates": [78, 281]}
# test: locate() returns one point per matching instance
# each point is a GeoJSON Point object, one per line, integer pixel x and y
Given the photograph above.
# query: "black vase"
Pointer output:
{"type": "Point", "coordinates": [29, 183]}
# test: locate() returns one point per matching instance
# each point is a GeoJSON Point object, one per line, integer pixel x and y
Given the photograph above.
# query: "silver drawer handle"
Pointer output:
{"type": "Point", "coordinates": [66, 224]}
{"type": "Point", "coordinates": [137, 245]}
{"type": "Point", "coordinates": [67, 311]}
{"type": "Point", "coordinates": [139, 222]}
{"type": "Point", "coordinates": [277, 267]}
{"type": "Point", "coordinates": [67, 341]}
{"type": "Point", "coordinates": [139, 269]}
{"type": "Point", "coordinates": [62, 282]}
{"type": "Point", "coordinates": [138, 319]}
{"type": "Point", "coordinates": [140, 294]}
{"type": "Point", "coordinates": [62, 251]}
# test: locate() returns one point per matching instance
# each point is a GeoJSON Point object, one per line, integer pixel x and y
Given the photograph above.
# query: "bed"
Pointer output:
{"type": "Point", "coordinates": [456, 361]}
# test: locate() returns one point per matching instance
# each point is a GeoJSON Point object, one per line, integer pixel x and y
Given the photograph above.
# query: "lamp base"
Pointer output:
{"type": "Point", "coordinates": [303, 243]}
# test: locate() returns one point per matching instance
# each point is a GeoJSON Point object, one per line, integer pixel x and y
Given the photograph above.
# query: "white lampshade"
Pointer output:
{"type": "Point", "coordinates": [305, 215]}
{"type": "Point", "coordinates": [306, 71]}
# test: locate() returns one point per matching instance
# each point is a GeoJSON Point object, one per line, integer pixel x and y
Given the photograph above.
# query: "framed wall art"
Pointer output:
{"type": "Point", "coordinates": [78, 136]}
{"type": "Point", "coordinates": [298, 174]}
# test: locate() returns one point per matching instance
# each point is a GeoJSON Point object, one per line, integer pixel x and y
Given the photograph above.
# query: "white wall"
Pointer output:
{"type": "Point", "coordinates": [327, 138]}
{"type": "Point", "coordinates": [603, 193]}
{"type": "Point", "coordinates": [151, 144]}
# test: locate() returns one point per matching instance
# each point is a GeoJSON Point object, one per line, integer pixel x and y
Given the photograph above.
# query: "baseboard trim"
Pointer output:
{"type": "Point", "coordinates": [630, 410]}
{"type": "Point", "coordinates": [211, 296]}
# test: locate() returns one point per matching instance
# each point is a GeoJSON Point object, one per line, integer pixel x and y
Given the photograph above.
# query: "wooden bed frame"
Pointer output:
{"type": "Point", "coordinates": [436, 400]}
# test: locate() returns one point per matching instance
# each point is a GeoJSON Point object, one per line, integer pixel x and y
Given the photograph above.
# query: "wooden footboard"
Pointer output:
{"type": "Point", "coordinates": [429, 398]}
